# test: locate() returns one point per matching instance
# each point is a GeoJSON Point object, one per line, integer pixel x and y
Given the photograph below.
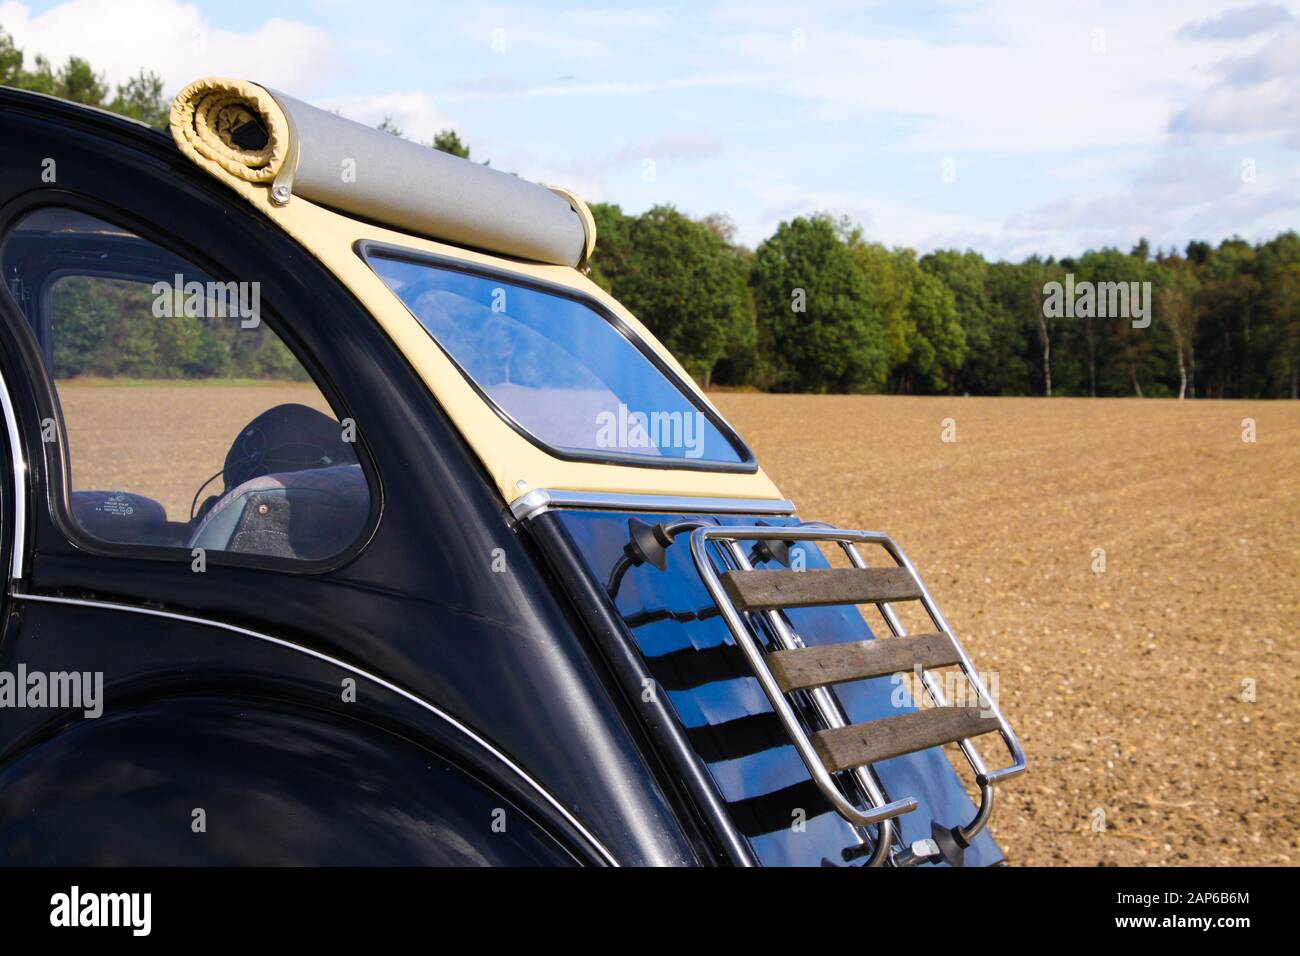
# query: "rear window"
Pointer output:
{"type": "Point", "coordinates": [559, 370]}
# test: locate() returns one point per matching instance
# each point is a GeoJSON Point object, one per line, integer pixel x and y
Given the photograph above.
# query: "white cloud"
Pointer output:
{"type": "Point", "coordinates": [692, 145]}
{"type": "Point", "coordinates": [1094, 166]}
{"type": "Point", "coordinates": [882, 220]}
{"type": "Point", "coordinates": [585, 176]}
{"type": "Point", "coordinates": [1177, 197]}
{"type": "Point", "coordinates": [174, 40]}
{"type": "Point", "coordinates": [416, 114]}
{"type": "Point", "coordinates": [567, 39]}
{"type": "Point", "coordinates": [1239, 22]}
{"type": "Point", "coordinates": [503, 90]}
{"type": "Point", "coordinates": [1113, 101]}
{"type": "Point", "coordinates": [1122, 110]}
{"type": "Point", "coordinates": [1021, 75]}
{"type": "Point", "coordinates": [1256, 95]}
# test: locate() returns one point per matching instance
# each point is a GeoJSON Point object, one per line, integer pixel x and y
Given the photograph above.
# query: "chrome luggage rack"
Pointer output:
{"type": "Point", "coordinates": [742, 593]}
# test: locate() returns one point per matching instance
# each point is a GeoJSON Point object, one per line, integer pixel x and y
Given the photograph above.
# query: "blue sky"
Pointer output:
{"type": "Point", "coordinates": [1008, 127]}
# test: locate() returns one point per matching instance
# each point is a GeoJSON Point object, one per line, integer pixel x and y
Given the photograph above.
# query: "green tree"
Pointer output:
{"type": "Point", "coordinates": [11, 61]}
{"type": "Point", "coordinates": [739, 362]}
{"type": "Point", "coordinates": [1276, 352]}
{"type": "Point", "coordinates": [684, 282]}
{"type": "Point", "coordinates": [1006, 367]}
{"type": "Point", "coordinates": [1175, 308]}
{"type": "Point", "coordinates": [177, 342]}
{"type": "Point", "coordinates": [936, 344]}
{"type": "Point", "coordinates": [78, 82]}
{"type": "Point", "coordinates": [965, 275]}
{"type": "Point", "coordinates": [816, 308]}
{"type": "Point", "coordinates": [1122, 359]}
{"type": "Point", "coordinates": [1226, 303]}
{"type": "Point", "coordinates": [888, 280]}
{"type": "Point", "coordinates": [613, 254]}
{"type": "Point", "coordinates": [85, 322]}
{"type": "Point", "coordinates": [446, 141]}
{"type": "Point", "coordinates": [825, 326]}
{"type": "Point", "coordinates": [211, 357]}
{"type": "Point", "coordinates": [13, 71]}
{"type": "Point", "coordinates": [1016, 297]}
{"type": "Point", "coordinates": [141, 98]}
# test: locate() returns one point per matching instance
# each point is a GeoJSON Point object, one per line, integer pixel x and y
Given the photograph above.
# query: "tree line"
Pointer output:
{"type": "Point", "coordinates": [113, 328]}
{"type": "Point", "coordinates": [816, 307]}
{"type": "Point", "coordinates": [140, 98]}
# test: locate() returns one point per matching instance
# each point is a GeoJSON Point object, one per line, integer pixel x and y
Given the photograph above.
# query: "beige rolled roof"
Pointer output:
{"type": "Point", "coordinates": [265, 137]}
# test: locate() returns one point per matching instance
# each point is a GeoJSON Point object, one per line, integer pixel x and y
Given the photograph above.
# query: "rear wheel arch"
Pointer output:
{"type": "Point", "coordinates": [211, 781]}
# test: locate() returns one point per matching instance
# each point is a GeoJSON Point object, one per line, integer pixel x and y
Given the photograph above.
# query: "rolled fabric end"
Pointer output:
{"type": "Point", "coordinates": [585, 217]}
{"type": "Point", "coordinates": [233, 124]}
{"type": "Point", "coordinates": [233, 128]}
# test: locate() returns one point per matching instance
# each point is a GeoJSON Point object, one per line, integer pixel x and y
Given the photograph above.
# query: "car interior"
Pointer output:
{"type": "Point", "coordinates": [289, 485]}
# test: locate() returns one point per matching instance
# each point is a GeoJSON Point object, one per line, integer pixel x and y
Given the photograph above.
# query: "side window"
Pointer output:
{"type": "Point", "coordinates": [189, 423]}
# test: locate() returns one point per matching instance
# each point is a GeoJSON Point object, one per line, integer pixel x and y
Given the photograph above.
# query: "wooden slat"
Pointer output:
{"type": "Point", "coordinates": [835, 663]}
{"type": "Point", "coordinates": [860, 744]}
{"type": "Point", "coordinates": [764, 590]}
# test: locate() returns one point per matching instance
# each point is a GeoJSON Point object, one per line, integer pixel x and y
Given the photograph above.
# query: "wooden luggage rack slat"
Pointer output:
{"type": "Point", "coordinates": [745, 595]}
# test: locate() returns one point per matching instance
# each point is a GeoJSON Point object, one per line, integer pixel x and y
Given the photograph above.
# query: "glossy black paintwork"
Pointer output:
{"type": "Point", "coordinates": [419, 606]}
{"type": "Point", "coordinates": [155, 671]}
{"type": "Point", "coordinates": [206, 781]}
{"type": "Point", "coordinates": [699, 798]}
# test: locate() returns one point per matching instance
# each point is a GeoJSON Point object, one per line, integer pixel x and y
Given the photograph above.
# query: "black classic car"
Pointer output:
{"type": "Point", "coordinates": [346, 521]}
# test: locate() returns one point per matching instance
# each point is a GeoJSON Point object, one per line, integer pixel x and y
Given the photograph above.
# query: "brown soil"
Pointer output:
{"type": "Point", "coordinates": [1129, 688]}
{"type": "Point", "coordinates": [163, 441]}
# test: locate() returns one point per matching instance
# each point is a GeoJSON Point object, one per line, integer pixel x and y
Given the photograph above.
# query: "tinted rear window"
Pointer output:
{"type": "Point", "coordinates": [556, 367]}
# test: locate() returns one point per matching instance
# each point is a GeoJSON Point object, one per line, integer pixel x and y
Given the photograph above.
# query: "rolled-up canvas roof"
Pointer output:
{"type": "Point", "coordinates": [266, 137]}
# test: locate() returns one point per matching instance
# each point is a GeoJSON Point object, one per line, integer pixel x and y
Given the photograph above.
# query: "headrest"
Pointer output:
{"type": "Point", "coordinates": [286, 438]}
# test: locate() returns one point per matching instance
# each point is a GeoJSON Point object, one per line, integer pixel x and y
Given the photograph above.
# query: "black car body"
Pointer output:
{"type": "Point", "coordinates": [452, 681]}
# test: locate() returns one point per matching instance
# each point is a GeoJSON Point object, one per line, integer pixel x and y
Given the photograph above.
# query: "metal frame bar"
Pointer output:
{"type": "Point", "coordinates": [823, 699]}
{"type": "Point", "coordinates": [540, 500]}
{"type": "Point", "coordinates": [19, 465]}
{"type": "Point", "coordinates": [832, 714]}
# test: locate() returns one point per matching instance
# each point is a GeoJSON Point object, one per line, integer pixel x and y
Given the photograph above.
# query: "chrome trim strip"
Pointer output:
{"type": "Point", "coordinates": [544, 499]}
{"type": "Point", "coordinates": [437, 712]}
{"type": "Point", "coordinates": [20, 481]}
